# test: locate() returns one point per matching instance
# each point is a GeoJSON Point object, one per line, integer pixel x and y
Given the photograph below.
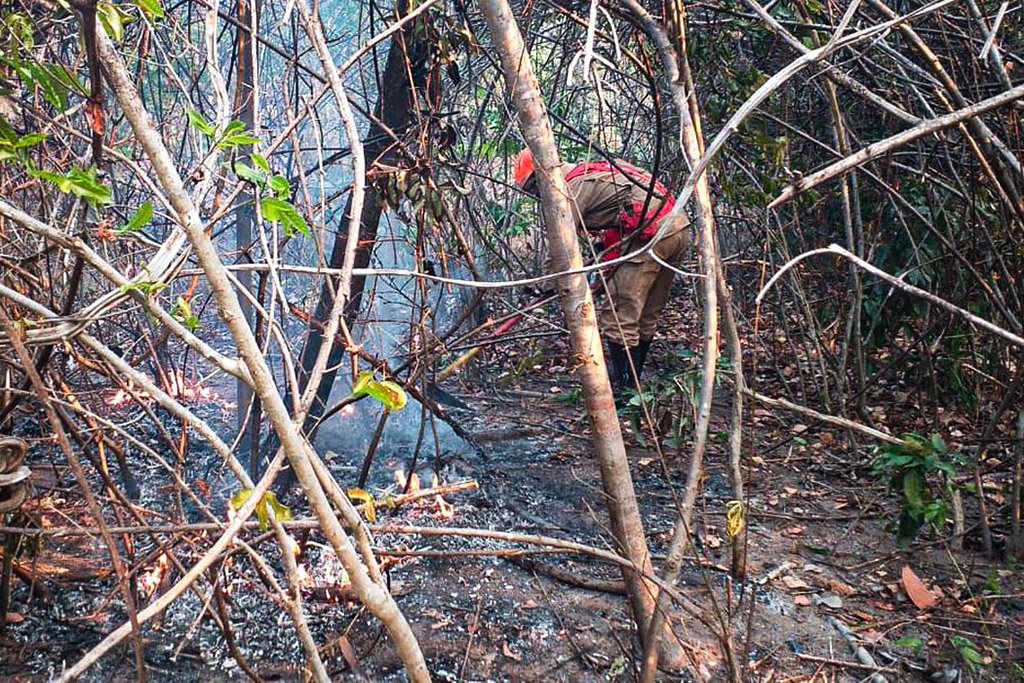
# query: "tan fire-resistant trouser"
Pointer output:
{"type": "Point", "coordinates": [638, 290]}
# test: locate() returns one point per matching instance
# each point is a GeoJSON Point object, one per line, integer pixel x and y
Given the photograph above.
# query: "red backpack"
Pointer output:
{"type": "Point", "coordinates": [630, 219]}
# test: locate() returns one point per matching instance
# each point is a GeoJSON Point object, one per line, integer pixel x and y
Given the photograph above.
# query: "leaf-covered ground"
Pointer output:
{"type": "Point", "coordinates": [821, 545]}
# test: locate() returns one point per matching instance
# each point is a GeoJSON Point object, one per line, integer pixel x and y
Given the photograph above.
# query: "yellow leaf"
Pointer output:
{"type": "Point", "coordinates": [240, 499]}
{"type": "Point", "coordinates": [367, 500]}
{"type": "Point", "coordinates": [389, 393]}
{"type": "Point", "coordinates": [735, 518]}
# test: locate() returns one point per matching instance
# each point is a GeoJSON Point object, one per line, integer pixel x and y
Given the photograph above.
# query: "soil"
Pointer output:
{"type": "Point", "coordinates": [821, 550]}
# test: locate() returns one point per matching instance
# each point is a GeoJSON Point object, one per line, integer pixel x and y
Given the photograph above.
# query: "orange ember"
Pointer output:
{"type": "Point", "coordinates": [444, 508]}
{"type": "Point", "coordinates": [400, 479]}
{"type": "Point", "coordinates": [177, 385]}
{"type": "Point", "coordinates": [118, 398]}
{"type": "Point", "coordinates": [149, 580]}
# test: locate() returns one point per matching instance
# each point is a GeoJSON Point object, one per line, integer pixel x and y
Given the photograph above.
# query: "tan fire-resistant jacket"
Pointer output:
{"type": "Point", "coordinates": [598, 198]}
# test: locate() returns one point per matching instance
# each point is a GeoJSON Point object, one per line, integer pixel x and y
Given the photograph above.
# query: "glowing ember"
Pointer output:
{"type": "Point", "coordinates": [118, 398]}
{"type": "Point", "coordinates": [177, 385]}
{"type": "Point", "coordinates": [305, 580]}
{"type": "Point", "coordinates": [400, 479]}
{"type": "Point", "coordinates": [149, 580]}
{"type": "Point", "coordinates": [444, 508]}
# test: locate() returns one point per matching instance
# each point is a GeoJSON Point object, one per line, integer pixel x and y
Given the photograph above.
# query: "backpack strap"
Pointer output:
{"type": "Point", "coordinates": [630, 219]}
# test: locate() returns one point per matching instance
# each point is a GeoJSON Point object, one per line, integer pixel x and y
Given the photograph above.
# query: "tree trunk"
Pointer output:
{"type": "Point", "coordinates": [404, 75]}
{"type": "Point", "coordinates": [578, 307]}
{"type": "Point", "coordinates": [300, 454]}
{"type": "Point", "coordinates": [247, 13]}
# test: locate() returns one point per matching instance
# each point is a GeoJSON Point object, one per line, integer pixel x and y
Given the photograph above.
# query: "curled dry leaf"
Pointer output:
{"type": "Point", "coordinates": [840, 588]}
{"type": "Point", "coordinates": [916, 590]}
{"type": "Point", "coordinates": [793, 583]}
{"type": "Point", "coordinates": [510, 653]}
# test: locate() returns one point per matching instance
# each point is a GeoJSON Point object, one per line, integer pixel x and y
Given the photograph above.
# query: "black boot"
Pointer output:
{"type": "Point", "coordinates": [618, 368]}
{"type": "Point", "coordinates": [639, 353]}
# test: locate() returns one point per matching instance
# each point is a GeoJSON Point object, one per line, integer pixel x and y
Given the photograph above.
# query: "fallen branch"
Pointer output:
{"type": "Point", "coordinates": [589, 583]}
{"type": "Point", "coordinates": [396, 501]}
{"type": "Point", "coordinates": [823, 417]}
{"type": "Point", "coordinates": [846, 665]}
{"type": "Point", "coordinates": [862, 655]}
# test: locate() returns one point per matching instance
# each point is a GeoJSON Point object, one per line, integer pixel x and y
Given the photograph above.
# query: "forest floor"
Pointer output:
{"type": "Point", "coordinates": [821, 551]}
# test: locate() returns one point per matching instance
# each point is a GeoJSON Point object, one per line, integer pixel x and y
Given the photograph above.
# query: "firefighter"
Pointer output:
{"type": "Point", "coordinates": [618, 207]}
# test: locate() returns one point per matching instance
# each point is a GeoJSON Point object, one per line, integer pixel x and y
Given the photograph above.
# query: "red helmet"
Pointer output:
{"type": "Point", "coordinates": [523, 166]}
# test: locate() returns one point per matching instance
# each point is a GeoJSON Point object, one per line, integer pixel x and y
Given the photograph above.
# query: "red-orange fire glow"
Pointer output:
{"type": "Point", "coordinates": [400, 479]}
{"type": "Point", "coordinates": [118, 398]}
{"type": "Point", "coordinates": [180, 386]}
{"type": "Point", "coordinates": [149, 580]}
{"type": "Point", "coordinates": [444, 508]}
{"type": "Point", "coordinates": [177, 385]}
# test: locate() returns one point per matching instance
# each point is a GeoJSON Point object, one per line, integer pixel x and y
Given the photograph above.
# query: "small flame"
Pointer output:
{"type": "Point", "coordinates": [444, 508]}
{"type": "Point", "coordinates": [401, 479]}
{"type": "Point", "coordinates": [118, 398]}
{"type": "Point", "coordinates": [149, 581]}
{"type": "Point", "coordinates": [180, 386]}
{"type": "Point", "coordinates": [305, 580]}
{"type": "Point", "coordinates": [177, 385]}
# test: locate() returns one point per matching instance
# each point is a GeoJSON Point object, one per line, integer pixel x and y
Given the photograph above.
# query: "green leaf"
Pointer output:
{"type": "Point", "coordinates": [201, 124]}
{"type": "Point", "coordinates": [249, 174]}
{"type": "Point", "coordinates": [389, 393]}
{"type": "Point", "coordinates": [112, 19]}
{"type": "Point", "coordinates": [146, 287]}
{"type": "Point", "coordinates": [914, 489]}
{"type": "Point", "coordinates": [20, 27]}
{"type": "Point", "coordinates": [182, 312]}
{"type": "Point", "coordinates": [142, 217]}
{"type": "Point", "coordinates": [14, 146]}
{"type": "Point", "coordinates": [280, 211]}
{"type": "Point", "coordinates": [54, 81]}
{"type": "Point", "coordinates": [261, 162]}
{"type": "Point", "coordinates": [910, 643]}
{"type": "Point", "coordinates": [152, 9]}
{"type": "Point", "coordinates": [272, 209]}
{"type": "Point", "coordinates": [83, 184]}
{"type": "Point", "coordinates": [281, 187]}
{"type": "Point", "coordinates": [30, 140]}
{"type": "Point", "coordinates": [235, 135]}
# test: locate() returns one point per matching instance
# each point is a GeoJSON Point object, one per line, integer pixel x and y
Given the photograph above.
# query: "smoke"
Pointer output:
{"type": "Point", "coordinates": [398, 313]}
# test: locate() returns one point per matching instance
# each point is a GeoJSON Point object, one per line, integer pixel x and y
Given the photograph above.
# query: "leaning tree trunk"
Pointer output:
{"type": "Point", "coordinates": [247, 12]}
{"type": "Point", "coordinates": [404, 75]}
{"type": "Point", "coordinates": [578, 307]}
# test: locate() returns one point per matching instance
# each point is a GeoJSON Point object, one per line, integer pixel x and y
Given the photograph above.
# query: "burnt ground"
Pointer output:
{"type": "Point", "coordinates": [821, 547]}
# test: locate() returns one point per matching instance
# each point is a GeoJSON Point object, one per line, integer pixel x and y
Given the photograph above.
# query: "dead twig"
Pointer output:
{"type": "Point", "coordinates": [589, 583]}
